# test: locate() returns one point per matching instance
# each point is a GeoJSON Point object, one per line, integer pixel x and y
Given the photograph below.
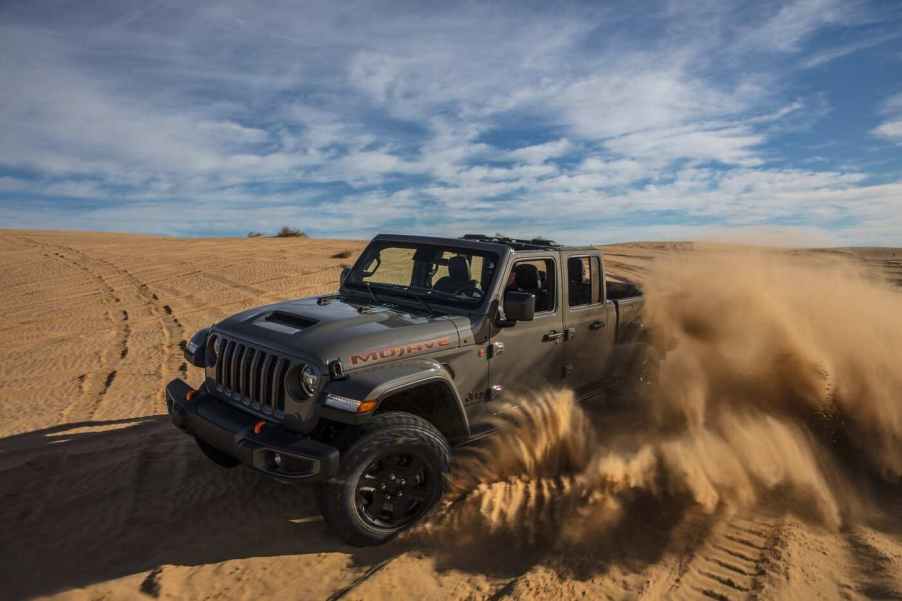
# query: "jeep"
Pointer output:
{"type": "Point", "coordinates": [367, 391]}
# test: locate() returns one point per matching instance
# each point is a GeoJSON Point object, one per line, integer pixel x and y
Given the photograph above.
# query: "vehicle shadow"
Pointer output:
{"type": "Point", "coordinates": [88, 502]}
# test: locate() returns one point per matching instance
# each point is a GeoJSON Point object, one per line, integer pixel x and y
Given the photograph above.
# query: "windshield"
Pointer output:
{"type": "Point", "coordinates": [431, 273]}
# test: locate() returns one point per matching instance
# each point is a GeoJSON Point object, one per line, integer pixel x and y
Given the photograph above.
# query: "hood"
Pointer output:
{"type": "Point", "coordinates": [336, 327]}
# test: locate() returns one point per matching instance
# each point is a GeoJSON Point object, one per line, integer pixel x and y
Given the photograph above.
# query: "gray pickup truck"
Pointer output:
{"type": "Point", "coordinates": [367, 391]}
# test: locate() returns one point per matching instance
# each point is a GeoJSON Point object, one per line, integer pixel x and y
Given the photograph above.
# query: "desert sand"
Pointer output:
{"type": "Point", "coordinates": [101, 498]}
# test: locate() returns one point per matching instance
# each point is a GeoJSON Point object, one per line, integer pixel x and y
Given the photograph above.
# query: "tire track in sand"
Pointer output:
{"type": "Point", "coordinates": [369, 573]}
{"type": "Point", "coordinates": [873, 570]}
{"type": "Point", "coordinates": [732, 562]}
{"type": "Point", "coordinates": [95, 385]}
{"type": "Point", "coordinates": [172, 330]}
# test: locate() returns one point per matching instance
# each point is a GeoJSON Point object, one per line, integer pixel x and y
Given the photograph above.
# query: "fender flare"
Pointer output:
{"type": "Point", "coordinates": [382, 381]}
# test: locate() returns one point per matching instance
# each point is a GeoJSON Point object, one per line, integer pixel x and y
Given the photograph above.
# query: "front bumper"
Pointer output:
{"type": "Point", "coordinates": [276, 451]}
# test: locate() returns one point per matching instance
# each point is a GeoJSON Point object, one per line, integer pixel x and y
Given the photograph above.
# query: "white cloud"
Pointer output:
{"type": "Point", "coordinates": [794, 21]}
{"type": "Point", "coordinates": [893, 104]}
{"type": "Point", "coordinates": [780, 113]}
{"type": "Point", "coordinates": [732, 145]}
{"type": "Point", "coordinates": [246, 118]}
{"type": "Point", "coordinates": [539, 153]}
{"type": "Point", "coordinates": [640, 94]}
{"type": "Point", "coordinates": [891, 130]}
{"type": "Point", "coordinates": [830, 54]}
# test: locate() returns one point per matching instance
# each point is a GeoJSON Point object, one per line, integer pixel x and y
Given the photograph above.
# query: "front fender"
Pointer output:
{"type": "Point", "coordinates": [380, 381]}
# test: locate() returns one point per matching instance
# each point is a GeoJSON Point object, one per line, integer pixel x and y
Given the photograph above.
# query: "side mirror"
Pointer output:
{"type": "Point", "coordinates": [519, 306]}
{"type": "Point", "coordinates": [344, 275]}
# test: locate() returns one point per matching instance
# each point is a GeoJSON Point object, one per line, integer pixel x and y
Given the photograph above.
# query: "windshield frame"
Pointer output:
{"type": "Point", "coordinates": [393, 293]}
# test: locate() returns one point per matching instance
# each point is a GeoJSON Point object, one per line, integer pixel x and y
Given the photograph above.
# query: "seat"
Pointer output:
{"type": "Point", "coordinates": [458, 277]}
{"type": "Point", "coordinates": [527, 277]}
{"type": "Point", "coordinates": [580, 291]}
{"type": "Point", "coordinates": [528, 280]}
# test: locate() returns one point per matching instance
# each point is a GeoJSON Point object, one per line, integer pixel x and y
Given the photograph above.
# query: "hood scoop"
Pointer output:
{"type": "Point", "coordinates": [287, 323]}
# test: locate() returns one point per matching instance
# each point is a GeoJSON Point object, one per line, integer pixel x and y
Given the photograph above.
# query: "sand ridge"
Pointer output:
{"type": "Point", "coordinates": [102, 499]}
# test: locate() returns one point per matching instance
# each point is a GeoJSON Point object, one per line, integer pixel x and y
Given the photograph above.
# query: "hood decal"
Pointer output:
{"type": "Point", "coordinates": [396, 351]}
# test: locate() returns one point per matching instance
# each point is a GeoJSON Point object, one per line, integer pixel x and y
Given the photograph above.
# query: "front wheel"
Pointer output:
{"type": "Point", "coordinates": [390, 477]}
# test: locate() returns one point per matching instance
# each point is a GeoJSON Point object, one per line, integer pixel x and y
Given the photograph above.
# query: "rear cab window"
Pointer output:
{"type": "Point", "coordinates": [584, 281]}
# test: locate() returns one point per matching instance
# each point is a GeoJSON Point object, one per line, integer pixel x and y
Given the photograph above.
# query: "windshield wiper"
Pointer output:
{"type": "Point", "coordinates": [448, 295]}
{"type": "Point", "coordinates": [408, 293]}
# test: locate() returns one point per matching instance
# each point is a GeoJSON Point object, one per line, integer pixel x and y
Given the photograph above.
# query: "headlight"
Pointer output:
{"type": "Point", "coordinates": [195, 350]}
{"type": "Point", "coordinates": [309, 380]}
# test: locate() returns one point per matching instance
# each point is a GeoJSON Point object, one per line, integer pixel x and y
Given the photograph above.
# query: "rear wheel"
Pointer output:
{"type": "Point", "coordinates": [390, 476]}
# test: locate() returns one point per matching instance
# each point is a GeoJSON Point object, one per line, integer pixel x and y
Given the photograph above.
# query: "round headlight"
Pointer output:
{"type": "Point", "coordinates": [196, 348]}
{"type": "Point", "coordinates": [214, 350]}
{"type": "Point", "coordinates": [309, 380]}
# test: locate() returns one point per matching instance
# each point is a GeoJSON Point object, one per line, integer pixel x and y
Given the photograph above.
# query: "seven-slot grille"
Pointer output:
{"type": "Point", "coordinates": [248, 375]}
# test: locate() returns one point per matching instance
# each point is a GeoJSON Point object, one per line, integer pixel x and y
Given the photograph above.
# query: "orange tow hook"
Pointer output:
{"type": "Point", "coordinates": [190, 394]}
{"type": "Point", "coordinates": [258, 427]}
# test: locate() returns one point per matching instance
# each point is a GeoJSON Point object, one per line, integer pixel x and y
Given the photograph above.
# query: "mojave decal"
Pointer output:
{"type": "Point", "coordinates": [400, 350]}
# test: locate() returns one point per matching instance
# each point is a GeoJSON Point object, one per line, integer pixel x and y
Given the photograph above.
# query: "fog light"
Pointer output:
{"type": "Point", "coordinates": [277, 459]}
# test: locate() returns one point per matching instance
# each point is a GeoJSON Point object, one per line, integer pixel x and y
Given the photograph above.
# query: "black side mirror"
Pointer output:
{"type": "Point", "coordinates": [519, 306]}
{"type": "Point", "coordinates": [344, 275]}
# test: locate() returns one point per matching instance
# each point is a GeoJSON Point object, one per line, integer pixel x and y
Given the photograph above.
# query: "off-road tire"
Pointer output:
{"type": "Point", "coordinates": [216, 456]}
{"type": "Point", "coordinates": [388, 433]}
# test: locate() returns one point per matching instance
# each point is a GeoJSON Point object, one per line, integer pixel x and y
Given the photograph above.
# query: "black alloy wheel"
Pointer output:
{"type": "Point", "coordinates": [393, 490]}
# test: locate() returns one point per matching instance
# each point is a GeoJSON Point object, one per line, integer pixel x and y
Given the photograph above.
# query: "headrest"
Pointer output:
{"type": "Point", "coordinates": [575, 270]}
{"type": "Point", "coordinates": [527, 276]}
{"type": "Point", "coordinates": [459, 268]}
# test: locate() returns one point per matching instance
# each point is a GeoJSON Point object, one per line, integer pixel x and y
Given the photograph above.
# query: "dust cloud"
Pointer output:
{"type": "Point", "coordinates": [766, 377]}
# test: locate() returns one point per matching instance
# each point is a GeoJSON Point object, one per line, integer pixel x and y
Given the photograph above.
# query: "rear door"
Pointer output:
{"type": "Point", "coordinates": [529, 356]}
{"type": "Point", "coordinates": [589, 322]}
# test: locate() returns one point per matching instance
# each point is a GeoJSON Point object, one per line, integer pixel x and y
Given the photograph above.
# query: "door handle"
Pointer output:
{"type": "Point", "coordinates": [552, 336]}
{"type": "Point", "coordinates": [596, 325]}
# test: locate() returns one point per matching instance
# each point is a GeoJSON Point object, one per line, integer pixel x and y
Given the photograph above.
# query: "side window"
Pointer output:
{"type": "Point", "coordinates": [582, 275]}
{"type": "Point", "coordinates": [538, 278]}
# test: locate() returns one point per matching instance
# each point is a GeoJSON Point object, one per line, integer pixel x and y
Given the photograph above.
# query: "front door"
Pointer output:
{"type": "Point", "coordinates": [590, 324]}
{"type": "Point", "coordinates": [529, 356]}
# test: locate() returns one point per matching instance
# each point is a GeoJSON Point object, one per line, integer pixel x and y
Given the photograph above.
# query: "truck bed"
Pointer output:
{"type": "Point", "coordinates": [628, 302]}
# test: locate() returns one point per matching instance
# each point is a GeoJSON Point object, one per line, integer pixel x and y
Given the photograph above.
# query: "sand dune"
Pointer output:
{"type": "Point", "coordinates": [100, 498]}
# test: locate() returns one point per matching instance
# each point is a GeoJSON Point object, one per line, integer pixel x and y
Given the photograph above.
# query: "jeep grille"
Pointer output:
{"type": "Point", "coordinates": [248, 376]}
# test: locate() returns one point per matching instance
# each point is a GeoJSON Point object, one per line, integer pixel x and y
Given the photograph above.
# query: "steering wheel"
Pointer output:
{"type": "Point", "coordinates": [472, 290]}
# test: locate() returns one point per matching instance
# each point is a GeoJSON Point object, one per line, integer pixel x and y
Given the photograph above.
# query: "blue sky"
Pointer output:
{"type": "Point", "coordinates": [589, 122]}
